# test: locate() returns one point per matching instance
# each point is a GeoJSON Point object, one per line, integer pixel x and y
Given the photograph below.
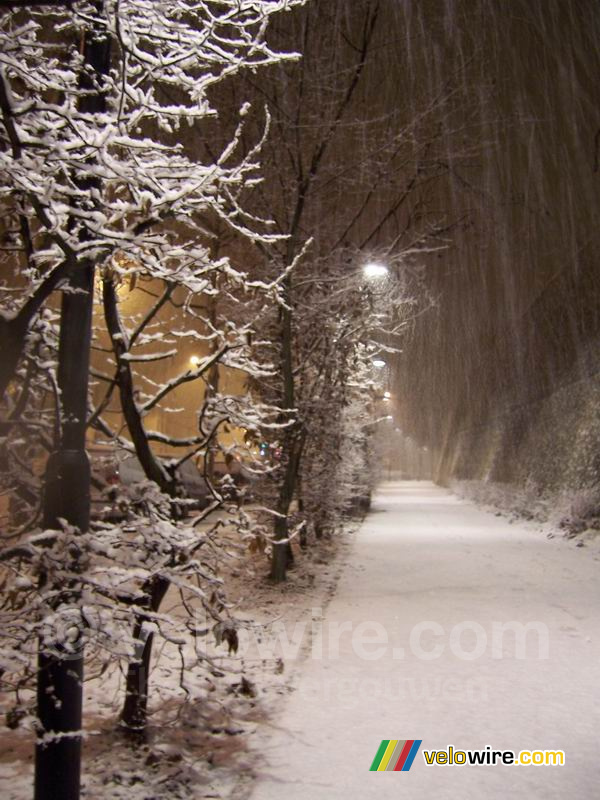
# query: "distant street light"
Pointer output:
{"type": "Point", "coordinates": [374, 270]}
{"type": "Point", "coordinates": [387, 395]}
{"type": "Point", "coordinates": [378, 362]}
{"type": "Point", "coordinates": [194, 361]}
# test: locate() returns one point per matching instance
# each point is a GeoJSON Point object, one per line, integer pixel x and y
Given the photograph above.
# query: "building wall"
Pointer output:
{"type": "Point", "coordinates": [177, 415]}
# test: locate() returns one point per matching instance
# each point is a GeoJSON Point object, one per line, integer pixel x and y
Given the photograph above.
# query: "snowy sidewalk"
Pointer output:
{"type": "Point", "coordinates": [424, 563]}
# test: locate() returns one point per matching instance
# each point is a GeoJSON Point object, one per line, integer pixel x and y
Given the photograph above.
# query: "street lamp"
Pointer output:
{"type": "Point", "coordinates": [375, 270]}
{"type": "Point", "coordinates": [194, 361]}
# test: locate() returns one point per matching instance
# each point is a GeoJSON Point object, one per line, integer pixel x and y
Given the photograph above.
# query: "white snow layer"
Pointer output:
{"type": "Point", "coordinates": [423, 555]}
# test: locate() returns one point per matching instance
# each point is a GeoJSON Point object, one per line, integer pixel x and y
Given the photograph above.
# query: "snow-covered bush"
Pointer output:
{"type": "Point", "coordinates": [71, 591]}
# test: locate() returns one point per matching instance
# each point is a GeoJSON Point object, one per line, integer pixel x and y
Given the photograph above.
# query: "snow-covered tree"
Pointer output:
{"type": "Point", "coordinates": [108, 176]}
{"type": "Point", "coordinates": [347, 174]}
{"type": "Point", "coordinates": [350, 320]}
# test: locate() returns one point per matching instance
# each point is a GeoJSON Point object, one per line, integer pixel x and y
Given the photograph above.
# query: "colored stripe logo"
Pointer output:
{"type": "Point", "coordinates": [395, 755]}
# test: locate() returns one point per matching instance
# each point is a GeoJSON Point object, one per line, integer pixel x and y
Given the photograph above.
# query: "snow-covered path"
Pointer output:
{"type": "Point", "coordinates": [425, 556]}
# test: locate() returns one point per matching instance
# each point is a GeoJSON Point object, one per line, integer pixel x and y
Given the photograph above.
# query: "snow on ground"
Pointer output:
{"type": "Point", "coordinates": [322, 698]}
{"type": "Point", "coordinates": [433, 567]}
{"type": "Point", "coordinates": [197, 744]}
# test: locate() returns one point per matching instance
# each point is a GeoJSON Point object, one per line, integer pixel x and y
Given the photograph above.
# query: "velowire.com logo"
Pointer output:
{"type": "Point", "coordinates": [395, 755]}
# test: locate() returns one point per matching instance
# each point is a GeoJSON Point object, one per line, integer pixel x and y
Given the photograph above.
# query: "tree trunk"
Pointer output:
{"type": "Point", "coordinates": [13, 332]}
{"type": "Point", "coordinates": [134, 715]}
{"type": "Point", "coordinates": [135, 425]}
{"type": "Point", "coordinates": [304, 529]}
{"type": "Point", "coordinates": [282, 556]}
{"type": "Point", "coordinates": [67, 496]}
{"type": "Point", "coordinates": [67, 488]}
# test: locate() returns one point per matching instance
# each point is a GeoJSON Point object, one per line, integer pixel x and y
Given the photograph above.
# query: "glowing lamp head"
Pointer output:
{"type": "Point", "coordinates": [375, 270]}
